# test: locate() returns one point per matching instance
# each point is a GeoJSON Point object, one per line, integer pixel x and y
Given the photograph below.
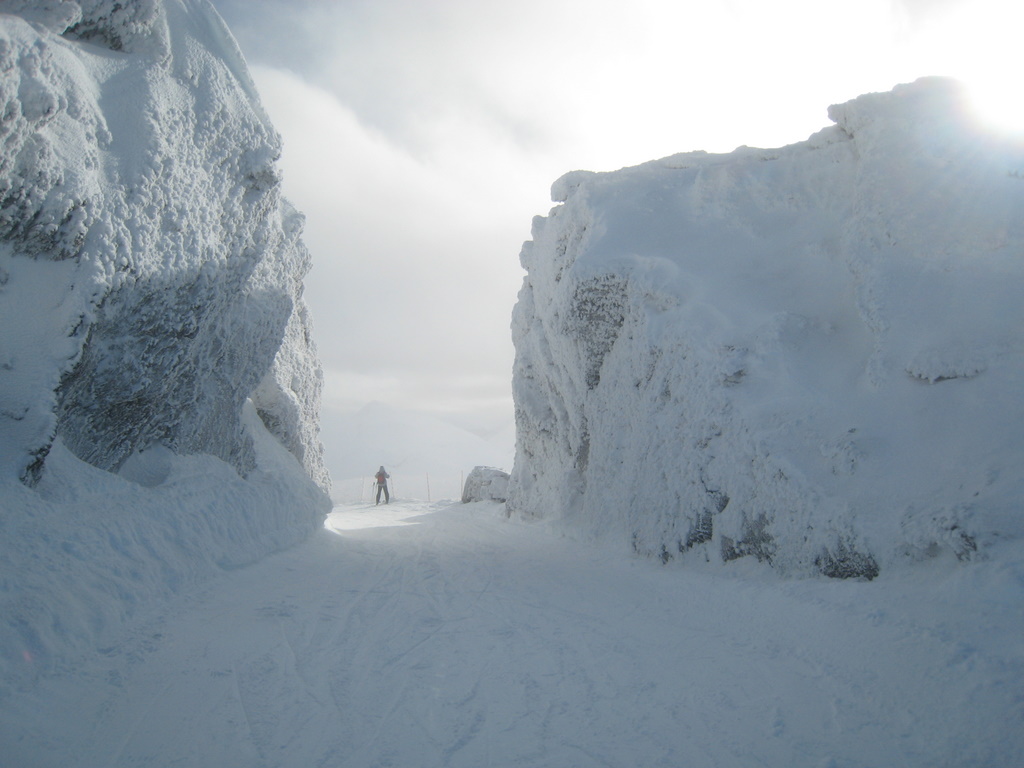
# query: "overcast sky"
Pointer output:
{"type": "Point", "coordinates": [421, 137]}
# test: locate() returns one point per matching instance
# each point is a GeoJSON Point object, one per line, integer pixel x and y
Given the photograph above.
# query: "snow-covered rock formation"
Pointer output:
{"type": "Point", "coordinates": [812, 355]}
{"type": "Point", "coordinates": [151, 319]}
{"type": "Point", "coordinates": [486, 484]}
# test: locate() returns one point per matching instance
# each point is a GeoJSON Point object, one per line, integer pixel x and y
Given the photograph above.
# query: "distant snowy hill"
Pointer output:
{"type": "Point", "coordinates": [159, 391]}
{"type": "Point", "coordinates": [427, 457]}
{"type": "Point", "coordinates": [810, 355]}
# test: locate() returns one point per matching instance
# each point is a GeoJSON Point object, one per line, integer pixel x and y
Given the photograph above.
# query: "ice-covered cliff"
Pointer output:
{"type": "Point", "coordinates": [159, 388]}
{"type": "Point", "coordinates": [810, 355]}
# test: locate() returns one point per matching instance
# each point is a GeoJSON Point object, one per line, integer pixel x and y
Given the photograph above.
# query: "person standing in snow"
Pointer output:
{"type": "Point", "coordinates": [382, 484]}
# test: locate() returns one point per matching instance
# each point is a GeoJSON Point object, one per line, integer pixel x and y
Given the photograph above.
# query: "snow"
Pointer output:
{"type": "Point", "coordinates": [140, 184]}
{"type": "Point", "coordinates": [159, 388]}
{"type": "Point", "coordinates": [810, 355]}
{"type": "Point", "coordinates": [486, 484]}
{"type": "Point", "coordinates": [447, 635]}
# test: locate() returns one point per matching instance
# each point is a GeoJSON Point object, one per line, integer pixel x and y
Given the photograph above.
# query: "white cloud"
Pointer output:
{"type": "Point", "coordinates": [415, 269]}
{"type": "Point", "coordinates": [421, 138]}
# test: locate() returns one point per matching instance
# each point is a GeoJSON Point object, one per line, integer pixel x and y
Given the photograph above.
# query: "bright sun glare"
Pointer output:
{"type": "Point", "coordinates": [998, 102]}
{"type": "Point", "coordinates": [977, 43]}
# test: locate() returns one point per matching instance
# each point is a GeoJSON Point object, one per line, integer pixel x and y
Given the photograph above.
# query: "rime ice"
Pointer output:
{"type": "Point", "coordinates": [808, 355]}
{"type": "Point", "coordinates": [151, 319]}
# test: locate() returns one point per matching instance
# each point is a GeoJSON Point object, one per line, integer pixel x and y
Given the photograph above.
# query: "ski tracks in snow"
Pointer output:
{"type": "Point", "coordinates": [415, 635]}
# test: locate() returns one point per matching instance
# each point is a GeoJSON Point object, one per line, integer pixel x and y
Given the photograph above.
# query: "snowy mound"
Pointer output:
{"type": "Point", "coordinates": [811, 355]}
{"type": "Point", "coordinates": [151, 320]}
{"type": "Point", "coordinates": [486, 484]}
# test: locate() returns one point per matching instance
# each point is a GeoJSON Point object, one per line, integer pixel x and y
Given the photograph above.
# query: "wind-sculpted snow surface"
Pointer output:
{"type": "Point", "coordinates": [150, 310]}
{"type": "Point", "coordinates": [810, 355]}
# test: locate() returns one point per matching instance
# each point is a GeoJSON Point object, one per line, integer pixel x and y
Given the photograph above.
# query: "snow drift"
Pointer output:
{"type": "Point", "coordinates": [158, 385]}
{"type": "Point", "coordinates": [810, 355]}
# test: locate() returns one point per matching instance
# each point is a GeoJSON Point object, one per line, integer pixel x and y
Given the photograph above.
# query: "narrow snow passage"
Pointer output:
{"type": "Point", "coordinates": [420, 635]}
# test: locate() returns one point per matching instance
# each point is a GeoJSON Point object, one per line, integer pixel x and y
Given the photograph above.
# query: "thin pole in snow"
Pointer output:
{"type": "Point", "coordinates": [428, 487]}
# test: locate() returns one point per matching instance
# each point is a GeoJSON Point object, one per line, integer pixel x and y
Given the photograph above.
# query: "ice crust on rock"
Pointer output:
{"type": "Point", "coordinates": [810, 355]}
{"type": "Point", "coordinates": [485, 484]}
{"type": "Point", "coordinates": [151, 317]}
{"type": "Point", "coordinates": [140, 192]}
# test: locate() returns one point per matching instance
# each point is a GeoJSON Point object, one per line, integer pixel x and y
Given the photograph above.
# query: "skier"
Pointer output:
{"type": "Point", "coordinates": [382, 484]}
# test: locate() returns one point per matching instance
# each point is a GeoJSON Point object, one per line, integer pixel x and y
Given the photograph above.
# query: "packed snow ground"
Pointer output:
{"type": "Point", "coordinates": [447, 635]}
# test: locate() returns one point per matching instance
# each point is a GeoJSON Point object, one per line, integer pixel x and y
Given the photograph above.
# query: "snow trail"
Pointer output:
{"type": "Point", "coordinates": [423, 635]}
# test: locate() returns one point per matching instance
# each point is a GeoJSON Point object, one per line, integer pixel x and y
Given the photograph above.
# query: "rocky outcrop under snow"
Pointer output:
{"type": "Point", "coordinates": [150, 268]}
{"type": "Point", "coordinates": [486, 484]}
{"type": "Point", "coordinates": [809, 355]}
{"type": "Point", "coordinates": [159, 388]}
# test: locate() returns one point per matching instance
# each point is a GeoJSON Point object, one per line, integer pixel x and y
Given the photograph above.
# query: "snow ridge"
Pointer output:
{"type": "Point", "coordinates": [809, 355]}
